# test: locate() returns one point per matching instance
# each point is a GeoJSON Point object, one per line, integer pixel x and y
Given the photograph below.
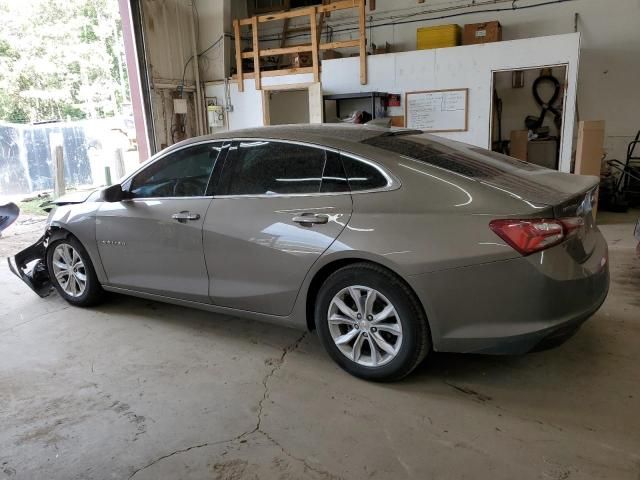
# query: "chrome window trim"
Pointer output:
{"type": "Point", "coordinates": [392, 182]}
{"type": "Point", "coordinates": [142, 199]}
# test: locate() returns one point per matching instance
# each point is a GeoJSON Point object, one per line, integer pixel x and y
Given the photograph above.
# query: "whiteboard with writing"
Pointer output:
{"type": "Point", "coordinates": [437, 110]}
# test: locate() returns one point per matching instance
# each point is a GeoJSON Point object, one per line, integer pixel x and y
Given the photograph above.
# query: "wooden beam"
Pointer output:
{"type": "Point", "coordinates": [315, 29]}
{"type": "Point", "coordinates": [282, 71]}
{"type": "Point", "coordinates": [236, 34]}
{"type": "Point", "coordinates": [340, 44]}
{"type": "Point", "coordinates": [283, 37]}
{"type": "Point", "coordinates": [315, 62]}
{"type": "Point", "coordinates": [301, 12]}
{"type": "Point", "coordinates": [297, 12]}
{"type": "Point", "coordinates": [342, 5]}
{"type": "Point", "coordinates": [279, 51]}
{"type": "Point", "coordinates": [256, 52]}
{"type": "Point", "coordinates": [363, 43]}
{"type": "Point", "coordinates": [323, 16]}
{"type": "Point", "coordinates": [285, 25]}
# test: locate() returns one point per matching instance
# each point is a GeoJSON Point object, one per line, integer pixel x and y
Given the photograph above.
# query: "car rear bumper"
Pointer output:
{"type": "Point", "coordinates": [514, 306]}
{"type": "Point", "coordinates": [29, 265]}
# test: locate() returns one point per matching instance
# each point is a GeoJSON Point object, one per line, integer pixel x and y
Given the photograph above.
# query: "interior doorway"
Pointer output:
{"type": "Point", "coordinates": [288, 106]}
{"type": "Point", "coordinates": [291, 104]}
{"type": "Point", "coordinates": [528, 113]}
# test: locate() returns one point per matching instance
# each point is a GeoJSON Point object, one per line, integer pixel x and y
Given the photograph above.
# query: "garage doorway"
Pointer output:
{"type": "Point", "coordinates": [528, 108]}
{"type": "Point", "coordinates": [292, 104]}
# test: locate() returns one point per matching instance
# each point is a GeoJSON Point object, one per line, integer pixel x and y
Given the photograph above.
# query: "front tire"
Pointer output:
{"type": "Point", "coordinates": [371, 323]}
{"type": "Point", "coordinates": [72, 273]}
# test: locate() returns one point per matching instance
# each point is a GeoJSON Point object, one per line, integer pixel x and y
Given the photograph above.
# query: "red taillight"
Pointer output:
{"type": "Point", "coordinates": [532, 235]}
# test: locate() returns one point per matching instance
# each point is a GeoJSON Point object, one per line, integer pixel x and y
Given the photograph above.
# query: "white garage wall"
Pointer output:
{"type": "Point", "coordinates": [462, 67]}
{"type": "Point", "coordinates": [610, 45]}
{"type": "Point", "coordinates": [459, 67]}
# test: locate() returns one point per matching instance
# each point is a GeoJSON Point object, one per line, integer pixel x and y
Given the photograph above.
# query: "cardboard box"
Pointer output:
{"type": "Point", "coordinates": [482, 33]}
{"type": "Point", "coordinates": [519, 143]}
{"type": "Point", "coordinates": [543, 152]}
{"type": "Point", "coordinates": [302, 59]}
{"type": "Point", "coordinates": [441, 36]}
{"type": "Point", "coordinates": [331, 54]}
{"type": "Point", "coordinates": [378, 50]}
{"type": "Point", "coordinates": [589, 151]}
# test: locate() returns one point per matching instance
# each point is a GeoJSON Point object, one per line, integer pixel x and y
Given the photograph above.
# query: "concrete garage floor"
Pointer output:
{"type": "Point", "coordinates": [142, 390]}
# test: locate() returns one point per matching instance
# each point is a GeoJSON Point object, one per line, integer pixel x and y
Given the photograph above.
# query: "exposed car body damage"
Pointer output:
{"type": "Point", "coordinates": [29, 265]}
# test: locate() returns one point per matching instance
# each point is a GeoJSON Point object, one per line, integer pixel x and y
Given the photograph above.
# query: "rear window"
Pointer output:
{"type": "Point", "coordinates": [465, 160]}
{"type": "Point", "coordinates": [520, 178]}
{"type": "Point", "coordinates": [362, 176]}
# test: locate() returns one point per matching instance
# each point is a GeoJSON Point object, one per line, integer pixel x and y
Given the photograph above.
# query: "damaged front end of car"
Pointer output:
{"type": "Point", "coordinates": [30, 266]}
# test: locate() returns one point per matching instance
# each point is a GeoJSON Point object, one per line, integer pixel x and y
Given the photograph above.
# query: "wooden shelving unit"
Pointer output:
{"type": "Point", "coordinates": [314, 47]}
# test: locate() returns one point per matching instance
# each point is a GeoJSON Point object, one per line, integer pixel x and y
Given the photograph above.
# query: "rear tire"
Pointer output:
{"type": "Point", "coordinates": [371, 323]}
{"type": "Point", "coordinates": [72, 273]}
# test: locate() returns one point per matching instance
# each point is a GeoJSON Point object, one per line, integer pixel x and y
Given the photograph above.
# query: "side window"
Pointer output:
{"type": "Point", "coordinates": [273, 168]}
{"type": "Point", "coordinates": [361, 175]}
{"type": "Point", "coordinates": [184, 173]}
{"type": "Point", "coordinates": [334, 180]}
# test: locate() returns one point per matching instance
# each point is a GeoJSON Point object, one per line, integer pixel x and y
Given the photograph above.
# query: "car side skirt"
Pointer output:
{"type": "Point", "coordinates": [284, 321]}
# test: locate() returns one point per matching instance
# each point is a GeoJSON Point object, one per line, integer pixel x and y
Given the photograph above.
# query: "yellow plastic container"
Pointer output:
{"type": "Point", "coordinates": [441, 36]}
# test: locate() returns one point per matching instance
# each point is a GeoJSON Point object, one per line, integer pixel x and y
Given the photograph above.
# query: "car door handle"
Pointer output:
{"type": "Point", "coordinates": [309, 219]}
{"type": "Point", "coordinates": [182, 217]}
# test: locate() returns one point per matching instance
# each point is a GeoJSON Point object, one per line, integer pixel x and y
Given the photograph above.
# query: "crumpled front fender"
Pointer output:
{"type": "Point", "coordinates": [31, 267]}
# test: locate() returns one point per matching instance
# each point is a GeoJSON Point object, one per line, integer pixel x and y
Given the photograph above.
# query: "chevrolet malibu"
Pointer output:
{"type": "Point", "coordinates": [389, 243]}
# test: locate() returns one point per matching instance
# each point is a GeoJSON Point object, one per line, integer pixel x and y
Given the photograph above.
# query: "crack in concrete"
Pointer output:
{"type": "Point", "coordinates": [257, 428]}
{"type": "Point", "coordinates": [183, 450]}
{"type": "Point", "coordinates": [322, 473]}
{"type": "Point", "coordinates": [267, 377]}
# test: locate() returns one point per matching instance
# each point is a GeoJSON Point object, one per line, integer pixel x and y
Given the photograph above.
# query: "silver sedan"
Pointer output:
{"type": "Point", "coordinates": [389, 243]}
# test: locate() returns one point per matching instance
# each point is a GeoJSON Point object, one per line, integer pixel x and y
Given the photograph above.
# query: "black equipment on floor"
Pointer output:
{"type": "Point", "coordinates": [624, 192]}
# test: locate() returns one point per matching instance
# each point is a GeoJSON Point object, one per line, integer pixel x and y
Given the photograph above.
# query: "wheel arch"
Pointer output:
{"type": "Point", "coordinates": [330, 267]}
{"type": "Point", "coordinates": [85, 236]}
{"type": "Point", "coordinates": [56, 233]}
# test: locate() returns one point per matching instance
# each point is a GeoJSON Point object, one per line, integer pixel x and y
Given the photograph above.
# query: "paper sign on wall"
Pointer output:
{"type": "Point", "coordinates": [437, 110]}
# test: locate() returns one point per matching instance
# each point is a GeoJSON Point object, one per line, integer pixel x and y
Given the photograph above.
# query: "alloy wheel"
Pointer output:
{"type": "Point", "coordinates": [365, 326]}
{"type": "Point", "coordinates": [69, 270]}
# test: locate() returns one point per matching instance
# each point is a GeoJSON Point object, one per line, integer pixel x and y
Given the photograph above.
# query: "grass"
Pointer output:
{"type": "Point", "coordinates": [32, 206]}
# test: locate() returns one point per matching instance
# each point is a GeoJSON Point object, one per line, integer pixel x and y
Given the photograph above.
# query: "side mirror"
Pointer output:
{"type": "Point", "coordinates": [115, 194]}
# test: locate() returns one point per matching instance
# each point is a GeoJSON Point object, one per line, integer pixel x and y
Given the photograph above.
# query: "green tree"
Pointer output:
{"type": "Point", "coordinates": [61, 59]}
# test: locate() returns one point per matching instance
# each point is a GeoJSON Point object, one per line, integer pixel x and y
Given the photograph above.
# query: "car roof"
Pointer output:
{"type": "Point", "coordinates": [333, 135]}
